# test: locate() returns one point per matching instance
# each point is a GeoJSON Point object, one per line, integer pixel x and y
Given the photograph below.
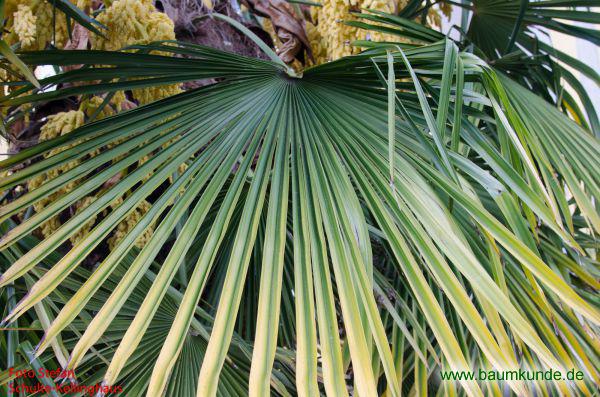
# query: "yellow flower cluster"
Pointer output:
{"type": "Point", "coordinates": [24, 25]}
{"type": "Point", "coordinates": [35, 24]}
{"type": "Point", "coordinates": [434, 17]}
{"type": "Point", "coordinates": [91, 105]}
{"type": "Point", "coordinates": [57, 125]}
{"type": "Point", "coordinates": [60, 124]}
{"type": "Point", "coordinates": [85, 229]}
{"type": "Point", "coordinates": [129, 223]}
{"type": "Point", "coordinates": [446, 9]}
{"type": "Point", "coordinates": [318, 45]}
{"type": "Point", "coordinates": [129, 22]}
{"type": "Point", "coordinates": [151, 94]}
{"type": "Point", "coordinates": [330, 38]}
{"type": "Point", "coordinates": [136, 22]}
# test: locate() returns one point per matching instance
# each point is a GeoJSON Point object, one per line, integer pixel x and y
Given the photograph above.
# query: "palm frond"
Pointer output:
{"type": "Point", "coordinates": [292, 178]}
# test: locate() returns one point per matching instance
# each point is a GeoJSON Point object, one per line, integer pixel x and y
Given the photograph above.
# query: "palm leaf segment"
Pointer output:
{"type": "Point", "coordinates": [460, 241]}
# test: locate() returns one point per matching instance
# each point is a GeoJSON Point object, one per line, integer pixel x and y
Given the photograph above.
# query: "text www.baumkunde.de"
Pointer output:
{"type": "Point", "coordinates": [512, 375]}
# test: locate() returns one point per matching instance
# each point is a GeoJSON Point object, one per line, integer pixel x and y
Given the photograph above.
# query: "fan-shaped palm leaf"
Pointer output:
{"type": "Point", "coordinates": [293, 177]}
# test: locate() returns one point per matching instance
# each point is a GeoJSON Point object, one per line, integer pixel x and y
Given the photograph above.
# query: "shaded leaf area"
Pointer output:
{"type": "Point", "coordinates": [303, 230]}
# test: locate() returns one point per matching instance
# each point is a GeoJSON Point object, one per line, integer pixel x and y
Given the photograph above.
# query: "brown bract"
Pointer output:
{"type": "Point", "coordinates": [289, 26]}
{"type": "Point", "coordinates": [78, 41]}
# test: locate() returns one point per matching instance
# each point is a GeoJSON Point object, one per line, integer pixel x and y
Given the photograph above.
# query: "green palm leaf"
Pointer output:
{"type": "Point", "coordinates": [332, 187]}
